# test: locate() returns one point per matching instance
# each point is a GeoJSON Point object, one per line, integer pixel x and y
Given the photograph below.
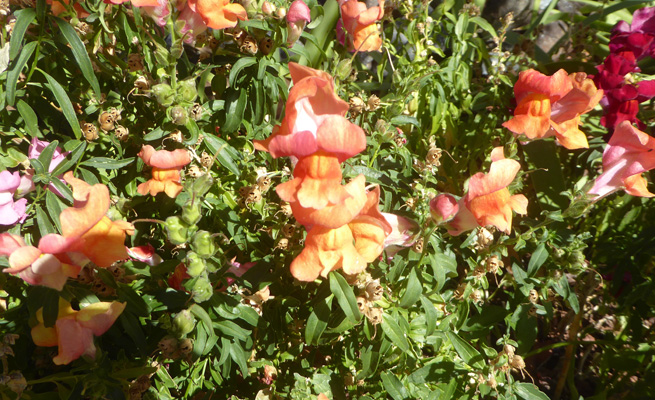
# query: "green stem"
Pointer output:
{"type": "Point", "coordinates": [323, 32]}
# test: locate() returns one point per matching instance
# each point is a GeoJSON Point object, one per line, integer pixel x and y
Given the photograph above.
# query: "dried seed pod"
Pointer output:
{"type": "Point", "coordinates": [106, 121]}
{"type": "Point", "coordinates": [194, 171]}
{"type": "Point", "coordinates": [266, 45]}
{"type": "Point", "coordinates": [476, 296]}
{"type": "Point", "coordinates": [213, 43]}
{"type": "Point", "coordinates": [264, 182]}
{"type": "Point", "coordinates": [135, 62]}
{"type": "Point", "coordinates": [532, 311]}
{"type": "Point", "coordinates": [418, 246]}
{"type": "Point", "coordinates": [142, 83]}
{"type": "Point", "coordinates": [373, 103]}
{"type": "Point", "coordinates": [484, 238]}
{"type": "Point", "coordinates": [286, 209]}
{"type": "Point", "coordinates": [517, 362]}
{"type": "Point", "coordinates": [374, 315]}
{"type": "Point", "coordinates": [362, 304]}
{"type": "Point", "coordinates": [167, 346]}
{"type": "Point", "coordinates": [117, 271]}
{"type": "Point", "coordinates": [459, 292]}
{"type": "Point", "coordinates": [254, 196]}
{"type": "Point", "coordinates": [249, 46]}
{"type": "Point", "coordinates": [288, 230]}
{"type": "Point", "coordinates": [410, 203]}
{"type": "Point", "coordinates": [509, 350]}
{"type": "Point", "coordinates": [121, 133]}
{"type": "Point", "coordinates": [195, 112]}
{"type": "Point", "coordinates": [89, 131]}
{"type": "Point", "coordinates": [185, 346]}
{"type": "Point", "coordinates": [374, 290]}
{"type": "Point", "coordinates": [206, 160]}
{"type": "Point", "coordinates": [176, 136]}
{"type": "Point", "coordinates": [238, 34]}
{"type": "Point", "coordinates": [493, 264]}
{"type": "Point", "coordinates": [434, 156]}
{"type": "Point", "coordinates": [100, 288]}
{"type": "Point", "coordinates": [86, 275]}
{"type": "Point", "coordinates": [282, 244]}
{"type": "Point", "coordinates": [533, 297]}
{"type": "Point", "coordinates": [356, 105]}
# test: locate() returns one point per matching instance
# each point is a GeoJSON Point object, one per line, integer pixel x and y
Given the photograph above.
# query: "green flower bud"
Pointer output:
{"type": "Point", "coordinates": [164, 94]}
{"type": "Point", "coordinates": [344, 69]}
{"type": "Point", "coordinates": [177, 49]}
{"type": "Point", "coordinates": [176, 230]}
{"type": "Point", "coordinates": [178, 115]}
{"type": "Point", "coordinates": [186, 91]}
{"type": "Point", "coordinates": [203, 244]}
{"type": "Point", "coordinates": [191, 212]}
{"type": "Point", "coordinates": [202, 290]}
{"type": "Point", "coordinates": [195, 264]}
{"type": "Point", "coordinates": [183, 323]}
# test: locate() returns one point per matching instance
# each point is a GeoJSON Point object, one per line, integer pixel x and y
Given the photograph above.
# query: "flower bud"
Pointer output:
{"type": "Point", "coordinates": [202, 290]}
{"type": "Point", "coordinates": [187, 91]}
{"type": "Point", "coordinates": [176, 230]}
{"type": "Point", "coordinates": [281, 12]}
{"type": "Point", "coordinates": [297, 18]}
{"type": "Point", "coordinates": [443, 208]}
{"type": "Point", "coordinates": [191, 212]}
{"type": "Point", "coordinates": [196, 266]}
{"type": "Point", "coordinates": [183, 323]}
{"type": "Point", "coordinates": [164, 94]}
{"type": "Point", "coordinates": [268, 8]}
{"type": "Point", "coordinates": [344, 69]}
{"type": "Point", "coordinates": [203, 244]}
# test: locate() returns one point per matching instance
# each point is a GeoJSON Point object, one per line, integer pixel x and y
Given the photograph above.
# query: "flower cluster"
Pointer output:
{"type": "Point", "coordinates": [345, 228]}
{"type": "Point", "coordinates": [74, 330]}
{"type": "Point", "coordinates": [552, 105]}
{"type": "Point", "coordinates": [88, 235]}
{"type": "Point", "coordinates": [487, 202]}
{"type": "Point", "coordinates": [628, 44]}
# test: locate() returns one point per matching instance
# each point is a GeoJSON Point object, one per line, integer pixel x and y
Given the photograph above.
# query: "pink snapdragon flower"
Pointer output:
{"type": "Point", "coordinates": [297, 17]}
{"type": "Point", "coordinates": [629, 153]}
{"type": "Point", "coordinates": [11, 211]}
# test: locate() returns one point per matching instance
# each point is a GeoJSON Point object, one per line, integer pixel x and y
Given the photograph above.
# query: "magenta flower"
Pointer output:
{"type": "Point", "coordinates": [297, 17]}
{"type": "Point", "coordinates": [11, 211]}
{"type": "Point", "coordinates": [37, 146]}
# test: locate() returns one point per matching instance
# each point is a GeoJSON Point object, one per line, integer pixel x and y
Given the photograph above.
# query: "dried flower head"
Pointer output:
{"type": "Point", "coordinates": [373, 103]}
{"type": "Point", "coordinates": [89, 131]}
{"type": "Point", "coordinates": [121, 133]}
{"type": "Point", "coordinates": [249, 46]}
{"type": "Point", "coordinates": [266, 45]}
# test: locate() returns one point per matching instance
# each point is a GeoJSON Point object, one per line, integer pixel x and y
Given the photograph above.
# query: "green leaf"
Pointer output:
{"type": "Point", "coordinates": [231, 329]}
{"type": "Point", "coordinates": [238, 66]}
{"type": "Point", "coordinates": [43, 222]}
{"type": "Point", "coordinates": [370, 358]}
{"type": "Point", "coordinates": [318, 320]}
{"type": "Point", "coordinates": [394, 333]}
{"type": "Point", "coordinates": [538, 258]}
{"type": "Point", "coordinates": [24, 18]}
{"type": "Point", "coordinates": [14, 73]}
{"type": "Point", "coordinates": [430, 315]}
{"type": "Point", "coordinates": [64, 190]}
{"type": "Point", "coordinates": [563, 289]}
{"type": "Point", "coordinates": [235, 107]}
{"type": "Point", "coordinates": [46, 155]}
{"type": "Point", "coordinates": [136, 304]}
{"type": "Point", "coordinates": [400, 120]}
{"type": "Point", "coordinates": [64, 102]}
{"type": "Point", "coordinates": [393, 386]}
{"type": "Point", "coordinates": [345, 296]}
{"type": "Point", "coordinates": [482, 23]}
{"type": "Point", "coordinates": [467, 352]}
{"type": "Point", "coordinates": [50, 307]}
{"type": "Point", "coordinates": [107, 163]}
{"type": "Point", "coordinates": [226, 153]}
{"type": "Point", "coordinates": [413, 292]}
{"type": "Point", "coordinates": [154, 134]}
{"type": "Point", "coordinates": [55, 207]}
{"type": "Point", "coordinates": [70, 160]}
{"type": "Point", "coordinates": [80, 54]}
{"type": "Point", "coordinates": [239, 356]}
{"type": "Point", "coordinates": [29, 117]}
{"type": "Point", "coordinates": [529, 391]}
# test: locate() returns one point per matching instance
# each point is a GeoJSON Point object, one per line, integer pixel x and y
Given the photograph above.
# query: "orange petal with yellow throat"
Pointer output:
{"type": "Point", "coordinates": [91, 204]}
{"type": "Point", "coordinates": [104, 244]}
{"type": "Point", "coordinates": [531, 117]}
{"type": "Point", "coordinates": [369, 234]}
{"type": "Point", "coordinates": [569, 135]}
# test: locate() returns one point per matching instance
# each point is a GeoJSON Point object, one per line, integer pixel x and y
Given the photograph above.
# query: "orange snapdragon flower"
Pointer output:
{"type": "Point", "coordinates": [87, 235]}
{"type": "Point", "coordinates": [74, 330]}
{"type": "Point", "coordinates": [219, 14]}
{"type": "Point", "coordinates": [360, 23]}
{"type": "Point", "coordinates": [166, 166]}
{"type": "Point", "coordinates": [488, 201]}
{"type": "Point", "coordinates": [552, 105]}
{"type": "Point", "coordinates": [314, 120]}
{"type": "Point", "coordinates": [349, 247]}
{"type": "Point", "coordinates": [316, 195]}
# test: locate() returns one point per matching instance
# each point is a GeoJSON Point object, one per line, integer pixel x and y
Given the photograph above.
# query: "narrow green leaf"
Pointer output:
{"type": "Point", "coordinates": [64, 102]}
{"type": "Point", "coordinates": [235, 107]}
{"type": "Point", "coordinates": [64, 190]}
{"type": "Point", "coordinates": [154, 134]}
{"type": "Point", "coordinates": [24, 18]}
{"type": "Point", "coordinates": [80, 54]}
{"type": "Point", "coordinates": [50, 307]}
{"type": "Point", "coordinates": [29, 117]}
{"type": "Point", "coordinates": [239, 357]}
{"type": "Point", "coordinates": [430, 315]}
{"type": "Point", "coordinates": [43, 222]}
{"type": "Point", "coordinates": [46, 155]}
{"type": "Point", "coordinates": [318, 320]}
{"type": "Point", "coordinates": [370, 358]}
{"type": "Point", "coordinates": [345, 296]}
{"type": "Point", "coordinates": [538, 258]}
{"type": "Point", "coordinates": [413, 292]}
{"type": "Point", "coordinates": [136, 304]}
{"type": "Point", "coordinates": [55, 207]}
{"type": "Point", "coordinates": [231, 329]}
{"type": "Point", "coordinates": [482, 23]}
{"type": "Point", "coordinates": [226, 153]}
{"type": "Point", "coordinates": [70, 160]}
{"type": "Point", "coordinates": [107, 163]}
{"type": "Point", "coordinates": [393, 386]}
{"type": "Point", "coordinates": [394, 332]}
{"type": "Point", "coordinates": [12, 75]}
{"type": "Point", "coordinates": [529, 391]}
{"type": "Point", "coordinates": [238, 66]}
{"type": "Point", "coordinates": [202, 315]}
{"type": "Point", "coordinates": [467, 352]}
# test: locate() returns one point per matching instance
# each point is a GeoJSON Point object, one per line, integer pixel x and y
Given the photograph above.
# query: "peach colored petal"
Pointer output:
{"type": "Point", "coordinates": [91, 204]}
{"type": "Point", "coordinates": [531, 117]}
{"type": "Point", "coordinates": [10, 242]}
{"type": "Point", "coordinates": [219, 14]}
{"type": "Point", "coordinates": [369, 234]}
{"type": "Point", "coordinates": [104, 244]}
{"type": "Point", "coordinates": [636, 185]}
{"type": "Point", "coordinates": [164, 159]}
{"type": "Point", "coordinates": [43, 336]}
{"type": "Point", "coordinates": [570, 136]}
{"type": "Point", "coordinates": [99, 317]}
{"type": "Point", "coordinates": [145, 3]}
{"type": "Point", "coordinates": [73, 341]}
{"type": "Point", "coordinates": [534, 82]}
{"type": "Point", "coordinates": [299, 72]}
{"type": "Point", "coordinates": [519, 203]}
{"type": "Point", "coordinates": [22, 258]}
{"type": "Point", "coordinates": [493, 209]}
{"type": "Point", "coordinates": [501, 174]}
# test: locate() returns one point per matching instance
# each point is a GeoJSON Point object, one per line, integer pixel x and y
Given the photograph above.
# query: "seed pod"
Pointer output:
{"type": "Point", "coordinates": [373, 103]}
{"type": "Point", "coordinates": [509, 350]}
{"type": "Point", "coordinates": [176, 136]}
{"type": "Point", "coordinates": [286, 209]}
{"type": "Point", "coordinates": [263, 183]}
{"type": "Point", "coordinates": [533, 297]}
{"type": "Point", "coordinates": [362, 304]}
{"type": "Point", "coordinates": [194, 171]}
{"type": "Point", "coordinates": [195, 112]}
{"type": "Point", "coordinates": [121, 133]}
{"type": "Point", "coordinates": [185, 346]}
{"type": "Point", "coordinates": [493, 264]}
{"type": "Point", "coordinates": [374, 290]}
{"type": "Point", "coordinates": [183, 323]}
{"type": "Point", "coordinates": [374, 315]}
{"type": "Point", "coordinates": [142, 83]}
{"type": "Point", "coordinates": [356, 105]}
{"type": "Point", "coordinates": [249, 46]}
{"type": "Point", "coordinates": [167, 346]}
{"type": "Point", "coordinates": [282, 244]}
{"type": "Point", "coordinates": [434, 156]}
{"type": "Point", "coordinates": [289, 230]}
{"type": "Point", "coordinates": [135, 62]}
{"type": "Point", "coordinates": [89, 131]}
{"type": "Point", "coordinates": [206, 160]}
{"type": "Point", "coordinates": [238, 34]}
{"type": "Point", "coordinates": [417, 247]}
{"type": "Point", "coordinates": [266, 45]}
{"type": "Point", "coordinates": [517, 362]}
{"type": "Point", "coordinates": [178, 115]}
{"type": "Point", "coordinates": [106, 121]}
{"type": "Point", "coordinates": [459, 292]}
